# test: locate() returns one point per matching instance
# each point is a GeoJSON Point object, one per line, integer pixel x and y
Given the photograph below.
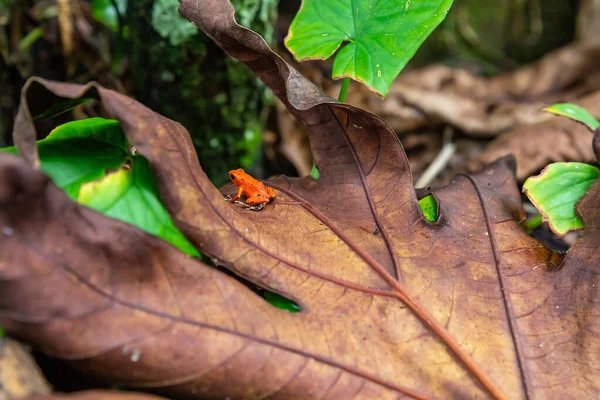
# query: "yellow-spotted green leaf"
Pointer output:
{"type": "Point", "coordinates": [576, 113]}
{"type": "Point", "coordinates": [130, 194]}
{"type": "Point", "coordinates": [90, 160]}
{"type": "Point", "coordinates": [378, 37]}
{"type": "Point", "coordinates": [556, 191]}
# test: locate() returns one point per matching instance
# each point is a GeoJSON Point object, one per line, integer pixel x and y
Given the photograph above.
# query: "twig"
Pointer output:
{"type": "Point", "coordinates": [439, 163]}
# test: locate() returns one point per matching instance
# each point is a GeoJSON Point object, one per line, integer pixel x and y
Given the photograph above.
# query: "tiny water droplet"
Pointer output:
{"type": "Point", "coordinates": [136, 355]}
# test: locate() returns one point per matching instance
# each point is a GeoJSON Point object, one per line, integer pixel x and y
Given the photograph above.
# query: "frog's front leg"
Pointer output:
{"type": "Point", "coordinates": [237, 196]}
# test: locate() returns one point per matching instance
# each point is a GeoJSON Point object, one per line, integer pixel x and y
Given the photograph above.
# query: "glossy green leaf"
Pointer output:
{"type": "Point", "coordinates": [281, 302]}
{"type": "Point", "coordinates": [429, 208]}
{"type": "Point", "coordinates": [130, 195]}
{"type": "Point", "coordinates": [381, 36]}
{"type": "Point", "coordinates": [556, 191]}
{"type": "Point", "coordinates": [90, 160]}
{"type": "Point", "coordinates": [2, 332]}
{"type": "Point", "coordinates": [576, 113]}
{"type": "Point", "coordinates": [81, 151]}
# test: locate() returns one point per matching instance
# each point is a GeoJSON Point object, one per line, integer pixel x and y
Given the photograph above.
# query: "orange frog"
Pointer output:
{"type": "Point", "coordinates": [256, 192]}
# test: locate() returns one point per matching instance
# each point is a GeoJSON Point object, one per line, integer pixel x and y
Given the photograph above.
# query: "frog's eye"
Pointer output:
{"type": "Point", "coordinates": [231, 176]}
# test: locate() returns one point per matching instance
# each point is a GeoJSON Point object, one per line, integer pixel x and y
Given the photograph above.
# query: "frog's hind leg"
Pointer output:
{"type": "Point", "coordinates": [256, 199]}
{"type": "Point", "coordinates": [271, 192]}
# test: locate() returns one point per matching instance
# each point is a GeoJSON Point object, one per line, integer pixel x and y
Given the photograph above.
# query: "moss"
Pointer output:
{"type": "Point", "coordinates": [194, 82]}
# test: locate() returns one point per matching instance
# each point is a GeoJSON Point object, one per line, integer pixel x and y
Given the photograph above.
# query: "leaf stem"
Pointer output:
{"type": "Point", "coordinates": [118, 55]}
{"type": "Point", "coordinates": [344, 90]}
{"type": "Point", "coordinates": [532, 223]}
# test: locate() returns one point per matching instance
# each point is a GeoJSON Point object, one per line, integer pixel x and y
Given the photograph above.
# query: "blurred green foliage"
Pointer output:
{"type": "Point", "coordinates": [192, 81]}
{"type": "Point", "coordinates": [105, 12]}
{"type": "Point", "coordinates": [170, 24]}
{"type": "Point", "coordinates": [500, 35]}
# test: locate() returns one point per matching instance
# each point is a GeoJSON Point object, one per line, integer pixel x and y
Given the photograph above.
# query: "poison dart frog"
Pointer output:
{"type": "Point", "coordinates": [256, 192]}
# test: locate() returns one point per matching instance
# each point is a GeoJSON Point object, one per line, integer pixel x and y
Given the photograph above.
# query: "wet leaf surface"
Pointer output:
{"type": "Point", "coordinates": [375, 38]}
{"type": "Point", "coordinates": [391, 304]}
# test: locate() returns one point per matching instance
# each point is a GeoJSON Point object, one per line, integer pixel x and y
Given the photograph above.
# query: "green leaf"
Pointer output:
{"type": "Point", "coordinates": [429, 208]}
{"type": "Point", "coordinates": [315, 172]}
{"type": "Point", "coordinates": [90, 160]}
{"type": "Point", "coordinates": [576, 113]}
{"type": "Point", "coordinates": [61, 106]}
{"type": "Point", "coordinates": [130, 195]}
{"type": "Point", "coordinates": [104, 12]}
{"type": "Point", "coordinates": [281, 302]}
{"type": "Point", "coordinates": [556, 191]}
{"type": "Point", "coordinates": [381, 35]}
{"type": "Point", "coordinates": [2, 332]}
{"type": "Point", "coordinates": [105, 131]}
{"type": "Point", "coordinates": [81, 151]}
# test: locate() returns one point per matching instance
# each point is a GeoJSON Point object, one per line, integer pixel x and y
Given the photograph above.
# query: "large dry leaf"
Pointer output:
{"type": "Point", "coordinates": [95, 395]}
{"type": "Point", "coordinates": [392, 306]}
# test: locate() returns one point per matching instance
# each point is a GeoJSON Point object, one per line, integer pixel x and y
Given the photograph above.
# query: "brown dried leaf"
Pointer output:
{"type": "Point", "coordinates": [95, 395]}
{"type": "Point", "coordinates": [535, 146]}
{"type": "Point", "coordinates": [392, 306]}
{"type": "Point", "coordinates": [486, 107]}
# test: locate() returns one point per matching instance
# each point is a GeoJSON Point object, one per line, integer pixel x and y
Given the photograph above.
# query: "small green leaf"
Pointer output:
{"type": "Point", "coordinates": [104, 12]}
{"type": "Point", "coordinates": [576, 113]}
{"type": "Point", "coordinates": [315, 172]}
{"type": "Point", "coordinates": [33, 36]}
{"type": "Point", "coordinates": [381, 36]}
{"type": "Point", "coordinates": [429, 208]}
{"type": "Point", "coordinates": [2, 332]}
{"type": "Point", "coordinates": [281, 302]}
{"type": "Point", "coordinates": [556, 191]}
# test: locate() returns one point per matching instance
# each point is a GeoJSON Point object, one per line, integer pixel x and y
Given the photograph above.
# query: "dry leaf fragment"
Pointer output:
{"type": "Point", "coordinates": [19, 374]}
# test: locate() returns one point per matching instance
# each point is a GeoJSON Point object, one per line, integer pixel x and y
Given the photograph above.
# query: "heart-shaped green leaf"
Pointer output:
{"type": "Point", "coordinates": [576, 113]}
{"type": "Point", "coordinates": [382, 35]}
{"type": "Point", "coordinates": [556, 191]}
